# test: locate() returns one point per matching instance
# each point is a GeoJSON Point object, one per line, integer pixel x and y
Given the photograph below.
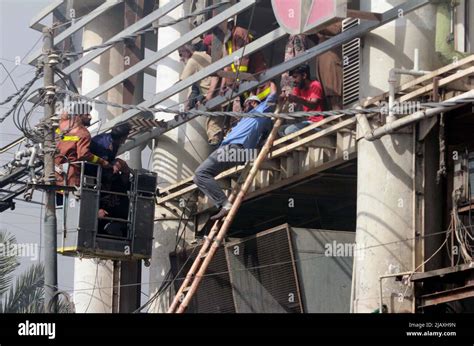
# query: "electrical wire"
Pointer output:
{"type": "Point", "coordinates": [69, 83]}
{"type": "Point", "coordinates": [24, 56]}
{"type": "Point", "coordinates": [20, 94]}
{"type": "Point", "coordinates": [95, 282]}
{"type": "Point", "coordinates": [292, 115]}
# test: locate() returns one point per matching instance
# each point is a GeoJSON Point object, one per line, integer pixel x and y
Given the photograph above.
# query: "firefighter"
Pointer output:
{"type": "Point", "coordinates": [237, 37]}
{"type": "Point", "coordinates": [73, 146]}
{"type": "Point", "coordinates": [106, 146]}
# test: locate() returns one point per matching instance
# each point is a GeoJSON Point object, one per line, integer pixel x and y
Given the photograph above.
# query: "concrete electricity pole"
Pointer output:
{"type": "Point", "coordinates": [49, 220]}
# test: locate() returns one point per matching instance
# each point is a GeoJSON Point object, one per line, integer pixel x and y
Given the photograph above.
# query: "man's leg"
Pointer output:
{"type": "Point", "coordinates": [204, 175]}
{"type": "Point", "coordinates": [289, 129]}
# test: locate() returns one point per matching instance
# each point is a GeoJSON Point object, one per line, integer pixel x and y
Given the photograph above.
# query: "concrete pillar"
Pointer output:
{"type": "Point", "coordinates": [131, 271]}
{"type": "Point", "coordinates": [176, 155]}
{"type": "Point", "coordinates": [92, 278]}
{"type": "Point", "coordinates": [384, 220]}
{"type": "Point", "coordinates": [471, 27]}
{"type": "Point", "coordinates": [386, 167]}
{"type": "Point", "coordinates": [393, 45]}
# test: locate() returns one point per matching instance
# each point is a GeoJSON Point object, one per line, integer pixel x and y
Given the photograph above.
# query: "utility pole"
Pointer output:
{"type": "Point", "coordinates": [49, 220]}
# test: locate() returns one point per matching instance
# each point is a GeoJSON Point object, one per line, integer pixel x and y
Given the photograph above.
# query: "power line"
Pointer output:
{"type": "Point", "coordinates": [14, 62]}
{"type": "Point", "coordinates": [292, 115]}
{"type": "Point", "coordinates": [24, 56]}
{"type": "Point", "coordinates": [20, 93]}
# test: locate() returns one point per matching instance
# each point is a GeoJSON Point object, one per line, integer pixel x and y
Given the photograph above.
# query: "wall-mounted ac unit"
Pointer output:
{"type": "Point", "coordinates": [281, 270]}
{"type": "Point", "coordinates": [263, 273]}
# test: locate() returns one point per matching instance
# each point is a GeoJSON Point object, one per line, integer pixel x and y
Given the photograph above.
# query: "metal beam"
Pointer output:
{"type": "Point", "coordinates": [150, 71]}
{"type": "Point", "coordinates": [443, 272]}
{"type": "Point", "coordinates": [77, 26]}
{"type": "Point", "coordinates": [276, 71]}
{"type": "Point", "coordinates": [12, 144]}
{"type": "Point", "coordinates": [447, 296]}
{"type": "Point", "coordinates": [34, 23]}
{"type": "Point", "coordinates": [14, 175]}
{"type": "Point", "coordinates": [142, 23]}
{"type": "Point", "coordinates": [164, 52]}
{"type": "Point", "coordinates": [6, 202]}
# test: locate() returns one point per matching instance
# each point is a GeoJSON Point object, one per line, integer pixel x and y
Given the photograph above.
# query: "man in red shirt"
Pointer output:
{"type": "Point", "coordinates": [307, 94]}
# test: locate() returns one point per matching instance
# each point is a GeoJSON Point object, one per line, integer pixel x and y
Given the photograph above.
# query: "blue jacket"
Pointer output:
{"type": "Point", "coordinates": [251, 131]}
{"type": "Point", "coordinates": [102, 146]}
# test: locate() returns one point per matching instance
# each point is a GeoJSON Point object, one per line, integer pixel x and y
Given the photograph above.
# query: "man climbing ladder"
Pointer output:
{"type": "Point", "coordinates": [218, 232]}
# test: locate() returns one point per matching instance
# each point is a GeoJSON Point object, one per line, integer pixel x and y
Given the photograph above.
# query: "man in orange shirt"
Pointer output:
{"type": "Point", "coordinates": [74, 145]}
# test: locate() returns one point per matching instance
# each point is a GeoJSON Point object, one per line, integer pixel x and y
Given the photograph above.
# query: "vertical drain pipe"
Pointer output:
{"type": "Point", "coordinates": [392, 80]}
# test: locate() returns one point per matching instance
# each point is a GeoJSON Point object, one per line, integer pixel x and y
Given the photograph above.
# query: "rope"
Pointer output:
{"type": "Point", "coordinates": [293, 115]}
{"type": "Point", "coordinates": [144, 31]}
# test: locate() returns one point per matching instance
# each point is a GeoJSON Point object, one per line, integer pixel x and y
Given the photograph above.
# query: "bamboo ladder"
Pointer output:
{"type": "Point", "coordinates": [218, 231]}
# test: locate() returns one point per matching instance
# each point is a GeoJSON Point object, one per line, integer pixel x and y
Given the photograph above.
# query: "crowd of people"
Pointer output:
{"type": "Point", "coordinates": [297, 89]}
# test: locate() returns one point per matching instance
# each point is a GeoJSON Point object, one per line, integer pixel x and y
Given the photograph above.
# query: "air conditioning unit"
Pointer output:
{"type": "Point", "coordinates": [263, 273]}
{"type": "Point", "coordinates": [281, 270]}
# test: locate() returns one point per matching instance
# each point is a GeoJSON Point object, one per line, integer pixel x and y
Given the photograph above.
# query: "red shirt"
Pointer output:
{"type": "Point", "coordinates": [314, 91]}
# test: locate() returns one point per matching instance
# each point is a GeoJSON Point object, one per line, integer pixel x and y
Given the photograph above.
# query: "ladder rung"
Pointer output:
{"type": "Point", "coordinates": [204, 255]}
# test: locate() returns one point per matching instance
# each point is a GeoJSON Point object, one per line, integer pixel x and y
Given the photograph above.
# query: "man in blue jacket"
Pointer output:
{"type": "Point", "coordinates": [236, 148]}
{"type": "Point", "coordinates": [106, 146]}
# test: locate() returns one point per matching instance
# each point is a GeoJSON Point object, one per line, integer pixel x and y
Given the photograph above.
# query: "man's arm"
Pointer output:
{"type": "Point", "coordinates": [311, 103]}
{"type": "Point", "coordinates": [273, 88]}
{"type": "Point", "coordinates": [314, 99]}
{"type": "Point", "coordinates": [120, 166]}
{"type": "Point", "coordinates": [212, 88]}
{"type": "Point", "coordinates": [84, 153]}
{"type": "Point", "coordinates": [189, 69]}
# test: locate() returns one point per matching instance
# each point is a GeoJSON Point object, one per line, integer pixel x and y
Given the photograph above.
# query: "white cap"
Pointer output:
{"type": "Point", "coordinates": [252, 98]}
